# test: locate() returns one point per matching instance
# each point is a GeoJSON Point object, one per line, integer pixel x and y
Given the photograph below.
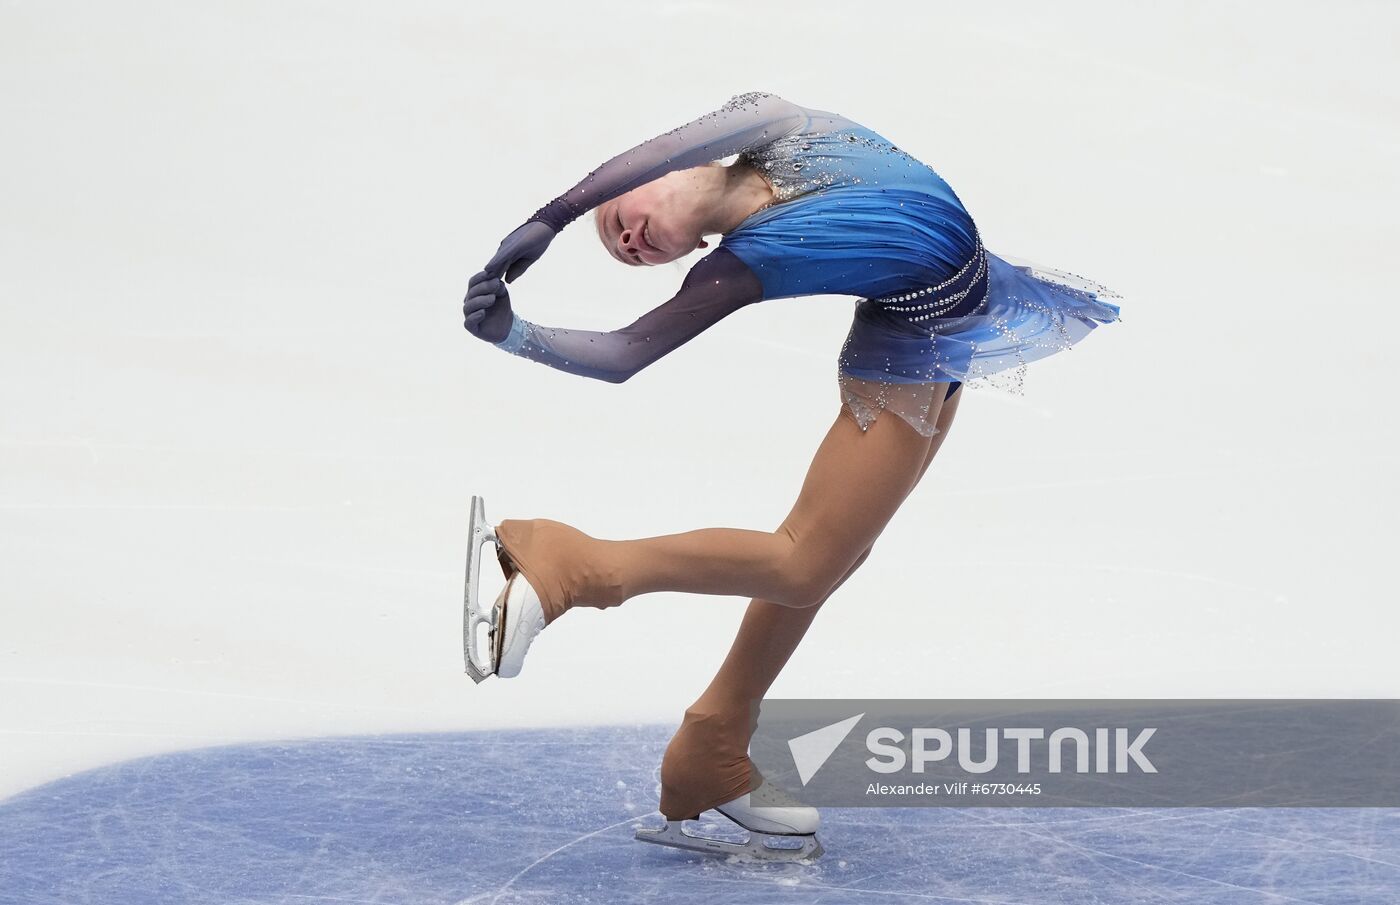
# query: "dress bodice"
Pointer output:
{"type": "Point", "coordinates": [853, 215]}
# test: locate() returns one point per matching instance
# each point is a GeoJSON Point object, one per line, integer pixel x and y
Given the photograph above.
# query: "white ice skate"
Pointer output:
{"type": "Point", "coordinates": [513, 620]}
{"type": "Point", "coordinates": [786, 832]}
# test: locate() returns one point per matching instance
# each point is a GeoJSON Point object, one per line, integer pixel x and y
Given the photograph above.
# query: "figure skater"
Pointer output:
{"type": "Point", "coordinates": [814, 204]}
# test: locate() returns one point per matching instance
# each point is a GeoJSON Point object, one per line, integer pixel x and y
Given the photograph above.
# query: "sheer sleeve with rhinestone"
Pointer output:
{"type": "Point", "coordinates": [746, 121]}
{"type": "Point", "coordinates": [718, 285]}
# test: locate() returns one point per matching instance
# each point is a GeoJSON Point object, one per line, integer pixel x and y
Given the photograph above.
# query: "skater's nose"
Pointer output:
{"type": "Point", "coordinates": [629, 245]}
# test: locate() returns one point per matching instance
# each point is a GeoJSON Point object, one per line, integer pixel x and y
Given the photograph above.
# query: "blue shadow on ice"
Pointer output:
{"type": "Point", "coordinates": [547, 816]}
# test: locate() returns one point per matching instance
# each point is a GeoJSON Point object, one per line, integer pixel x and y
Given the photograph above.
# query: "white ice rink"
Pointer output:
{"type": "Point", "coordinates": [240, 421]}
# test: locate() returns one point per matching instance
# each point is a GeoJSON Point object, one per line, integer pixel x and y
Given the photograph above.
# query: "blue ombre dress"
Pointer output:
{"type": "Point", "coordinates": [852, 215]}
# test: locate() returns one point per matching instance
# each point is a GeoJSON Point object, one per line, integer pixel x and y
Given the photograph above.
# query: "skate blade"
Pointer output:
{"type": "Point", "coordinates": [759, 845]}
{"type": "Point", "coordinates": [480, 664]}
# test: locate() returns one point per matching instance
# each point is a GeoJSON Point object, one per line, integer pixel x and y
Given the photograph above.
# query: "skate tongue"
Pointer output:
{"type": "Point", "coordinates": [498, 628]}
{"type": "Point", "coordinates": [507, 564]}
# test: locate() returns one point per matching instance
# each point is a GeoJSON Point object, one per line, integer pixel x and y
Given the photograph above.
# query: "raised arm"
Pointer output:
{"type": "Point", "coordinates": [718, 285]}
{"type": "Point", "coordinates": [746, 121]}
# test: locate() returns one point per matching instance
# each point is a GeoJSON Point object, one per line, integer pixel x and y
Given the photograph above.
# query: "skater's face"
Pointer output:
{"type": "Point", "coordinates": [654, 223]}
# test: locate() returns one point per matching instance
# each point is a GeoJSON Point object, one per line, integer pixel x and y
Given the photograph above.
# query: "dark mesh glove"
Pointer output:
{"type": "Point", "coordinates": [486, 311]}
{"type": "Point", "coordinates": [520, 249]}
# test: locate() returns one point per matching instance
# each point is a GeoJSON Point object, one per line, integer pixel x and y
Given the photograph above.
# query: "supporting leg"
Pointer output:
{"type": "Point", "coordinates": [707, 760]}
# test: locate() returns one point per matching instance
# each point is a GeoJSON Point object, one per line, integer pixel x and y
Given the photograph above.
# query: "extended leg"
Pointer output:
{"type": "Point", "coordinates": [853, 487]}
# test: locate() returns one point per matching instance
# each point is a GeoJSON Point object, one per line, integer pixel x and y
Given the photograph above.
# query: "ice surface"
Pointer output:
{"type": "Point", "coordinates": [547, 816]}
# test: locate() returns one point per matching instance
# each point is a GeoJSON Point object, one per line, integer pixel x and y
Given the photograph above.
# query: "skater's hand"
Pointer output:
{"type": "Point", "coordinates": [520, 249]}
{"type": "Point", "coordinates": [486, 309]}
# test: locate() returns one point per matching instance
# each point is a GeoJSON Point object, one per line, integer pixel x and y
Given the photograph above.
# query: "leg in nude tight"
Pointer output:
{"type": "Point", "coordinates": [853, 486]}
{"type": "Point", "coordinates": [707, 761]}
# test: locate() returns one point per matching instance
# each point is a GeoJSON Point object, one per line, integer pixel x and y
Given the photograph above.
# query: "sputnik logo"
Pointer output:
{"type": "Point", "coordinates": [812, 750]}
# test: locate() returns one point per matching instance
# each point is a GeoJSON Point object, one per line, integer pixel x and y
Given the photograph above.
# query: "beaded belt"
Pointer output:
{"type": "Point", "coordinates": [941, 306]}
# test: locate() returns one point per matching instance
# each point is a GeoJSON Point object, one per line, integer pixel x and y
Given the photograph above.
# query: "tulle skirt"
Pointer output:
{"type": "Point", "coordinates": [902, 353]}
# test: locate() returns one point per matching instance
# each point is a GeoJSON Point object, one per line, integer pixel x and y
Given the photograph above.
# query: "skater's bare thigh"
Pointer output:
{"type": "Point", "coordinates": [853, 487]}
